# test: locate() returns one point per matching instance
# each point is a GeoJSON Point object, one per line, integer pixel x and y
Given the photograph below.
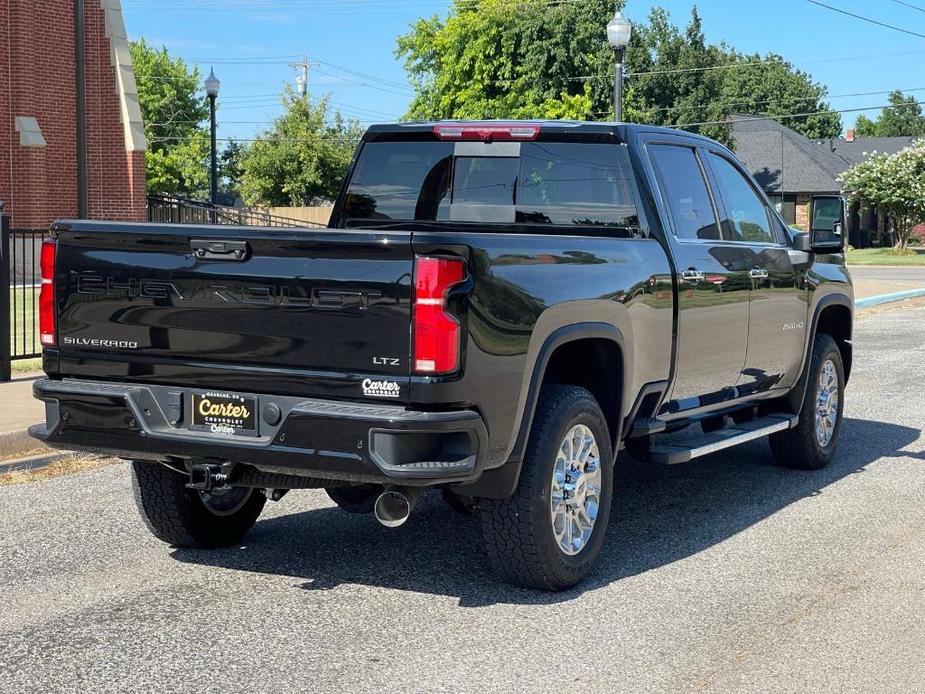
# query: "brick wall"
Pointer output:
{"type": "Point", "coordinates": [37, 75]}
{"type": "Point", "coordinates": [802, 211]}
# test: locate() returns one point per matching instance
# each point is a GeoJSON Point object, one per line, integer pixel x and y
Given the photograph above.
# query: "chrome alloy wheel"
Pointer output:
{"type": "Point", "coordinates": [576, 490]}
{"type": "Point", "coordinates": [826, 404]}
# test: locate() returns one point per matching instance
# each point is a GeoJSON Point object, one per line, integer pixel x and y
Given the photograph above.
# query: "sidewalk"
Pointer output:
{"type": "Point", "coordinates": [18, 411]}
{"type": "Point", "coordinates": [864, 289]}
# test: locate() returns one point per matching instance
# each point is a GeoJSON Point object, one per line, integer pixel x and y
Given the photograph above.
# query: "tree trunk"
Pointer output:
{"type": "Point", "coordinates": [902, 227]}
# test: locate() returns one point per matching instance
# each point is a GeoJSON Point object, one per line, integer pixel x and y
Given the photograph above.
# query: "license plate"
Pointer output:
{"type": "Point", "coordinates": [224, 413]}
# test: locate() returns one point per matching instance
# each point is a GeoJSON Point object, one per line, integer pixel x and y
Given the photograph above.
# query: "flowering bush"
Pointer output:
{"type": "Point", "coordinates": [896, 184]}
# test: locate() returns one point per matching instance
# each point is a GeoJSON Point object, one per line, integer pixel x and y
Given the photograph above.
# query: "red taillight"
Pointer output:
{"type": "Point", "coordinates": [47, 294]}
{"type": "Point", "coordinates": [437, 333]}
{"type": "Point", "coordinates": [487, 132]}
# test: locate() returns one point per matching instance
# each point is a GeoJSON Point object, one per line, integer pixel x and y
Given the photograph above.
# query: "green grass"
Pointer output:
{"type": "Point", "coordinates": [885, 256]}
{"type": "Point", "coordinates": [21, 367]}
{"type": "Point", "coordinates": [24, 338]}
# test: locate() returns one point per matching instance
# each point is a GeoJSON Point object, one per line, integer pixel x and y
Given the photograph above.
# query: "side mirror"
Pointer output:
{"type": "Point", "coordinates": [802, 242]}
{"type": "Point", "coordinates": [827, 223]}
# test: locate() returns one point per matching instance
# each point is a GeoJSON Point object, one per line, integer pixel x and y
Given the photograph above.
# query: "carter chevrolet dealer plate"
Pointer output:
{"type": "Point", "coordinates": [224, 413]}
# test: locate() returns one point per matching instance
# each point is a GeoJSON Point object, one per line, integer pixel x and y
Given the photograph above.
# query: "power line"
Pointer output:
{"type": "Point", "coordinates": [730, 121]}
{"type": "Point", "coordinates": [332, 138]}
{"type": "Point", "coordinates": [867, 19]}
{"type": "Point", "coordinates": [319, 7]}
{"type": "Point", "coordinates": [766, 102]}
{"type": "Point", "coordinates": [909, 4]}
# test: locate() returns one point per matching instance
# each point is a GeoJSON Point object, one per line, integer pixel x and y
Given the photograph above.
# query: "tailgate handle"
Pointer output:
{"type": "Point", "coordinates": [216, 249]}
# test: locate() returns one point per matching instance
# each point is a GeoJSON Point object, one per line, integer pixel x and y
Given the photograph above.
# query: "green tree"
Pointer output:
{"type": "Point", "coordinates": [231, 169]}
{"type": "Point", "coordinates": [894, 183]}
{"type": "Point", "coordinates": [902, 118]}
{"type": "Point", "coordinates": [775, 89]}
{"type": "Point", "coordinates": [497, 59]}
{"type": "Point", "coordinates": [174, 111]}
{"type": "Point", "coordinates": [535, 59]}
{"type": "Point", "coordinates": [303, 157]}
{"type": "Point", "coordinates": [673, 76]}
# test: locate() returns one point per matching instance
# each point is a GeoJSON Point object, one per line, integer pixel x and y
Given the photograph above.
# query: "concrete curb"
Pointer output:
{"type": "Point", "coordinates": [880, 299]}
{"type": "Point", "coordinates": [34, 462]}
{"type": "Point", "coordinates": [15, 443]}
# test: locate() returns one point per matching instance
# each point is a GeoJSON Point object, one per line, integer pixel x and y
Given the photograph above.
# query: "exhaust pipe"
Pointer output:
{"type": "Point", "coordinates": [395, 504]}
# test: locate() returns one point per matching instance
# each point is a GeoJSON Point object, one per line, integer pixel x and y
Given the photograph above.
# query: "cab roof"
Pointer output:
{"type": "Point", "coordinates": [548, 129]}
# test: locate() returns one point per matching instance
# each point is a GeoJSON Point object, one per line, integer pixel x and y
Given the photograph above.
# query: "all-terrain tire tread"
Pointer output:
{"type": "Point", "coordinates": [796, 448]}
{"type": "Point", "coordinates": [509, 524]}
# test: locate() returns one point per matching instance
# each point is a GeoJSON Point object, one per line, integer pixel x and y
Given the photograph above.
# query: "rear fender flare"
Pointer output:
{"type": "Point", "coordinates": [556, 339]}
{"type": "Point", "coordinates": [501, 482]}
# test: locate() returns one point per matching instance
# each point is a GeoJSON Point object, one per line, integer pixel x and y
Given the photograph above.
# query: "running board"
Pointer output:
{"type": "Point", "coordinates": [691, 447]}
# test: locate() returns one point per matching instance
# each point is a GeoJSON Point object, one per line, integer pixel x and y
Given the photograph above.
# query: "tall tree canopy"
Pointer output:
{"type": "Point", "coordinates": [903, 117]}
{"type": "Point", "coordinates": [535, 59]}
{"type": "Point", "coordinates": [302, 158]}
{"type": "Point", "coordinates": [175, 112]}
{"type": "Point", "coordinates": [777, 89]}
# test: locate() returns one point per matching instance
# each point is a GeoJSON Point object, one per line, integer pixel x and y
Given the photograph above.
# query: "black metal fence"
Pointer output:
{"type": "Point", "coordinates": [20, 272]}
{"type": "Point", "coordinates": [168, 209]}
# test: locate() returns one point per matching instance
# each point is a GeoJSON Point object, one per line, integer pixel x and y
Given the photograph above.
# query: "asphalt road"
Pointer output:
{"type": "Point", "coordinates": [725, 575]}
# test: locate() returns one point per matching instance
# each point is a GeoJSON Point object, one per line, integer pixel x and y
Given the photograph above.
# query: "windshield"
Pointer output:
{"type": "Point", "coordinates": [550, 183]}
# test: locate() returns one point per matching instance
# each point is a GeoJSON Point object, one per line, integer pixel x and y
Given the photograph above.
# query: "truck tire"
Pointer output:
{"type": "Point", "coordinates": [187, 518]}
{"type": "Point", "coordinates": [360, 498]}
{"type": "Point", "coordinates": [811, 444]}
{"type": "Point", "coordinates": [537, 538]}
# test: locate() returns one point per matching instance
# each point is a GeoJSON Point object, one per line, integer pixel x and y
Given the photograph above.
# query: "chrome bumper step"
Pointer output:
{"type": "Point", "coordinates": [685, 448]}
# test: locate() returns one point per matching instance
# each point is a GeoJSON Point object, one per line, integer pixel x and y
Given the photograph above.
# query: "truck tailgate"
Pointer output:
{"type": "Point", "coordinates": [234, 307]}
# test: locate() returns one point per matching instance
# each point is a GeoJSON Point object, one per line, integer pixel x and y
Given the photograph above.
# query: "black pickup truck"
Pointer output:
{"type": "Point", "coordinates": [497, 310]}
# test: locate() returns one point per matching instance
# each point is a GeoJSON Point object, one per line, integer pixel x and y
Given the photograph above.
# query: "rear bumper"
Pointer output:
{"type": "Point", "coordinates": [325, 439]}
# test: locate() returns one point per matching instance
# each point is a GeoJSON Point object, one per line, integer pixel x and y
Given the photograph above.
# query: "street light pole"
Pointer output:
{"type": "Point", "coordinates": [619, 31]}
{"type": "Point", "coordinates": [618, 84]}
{"type": "Point", "coordinates": [212, 87]}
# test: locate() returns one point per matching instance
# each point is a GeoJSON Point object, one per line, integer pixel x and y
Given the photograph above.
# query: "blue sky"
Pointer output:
{"type": "Point", "coordinates": [251, 43]}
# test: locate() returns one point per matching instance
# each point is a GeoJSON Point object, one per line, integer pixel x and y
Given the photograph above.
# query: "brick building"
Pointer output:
{"type": "Point", "coordinates": [39, 179]}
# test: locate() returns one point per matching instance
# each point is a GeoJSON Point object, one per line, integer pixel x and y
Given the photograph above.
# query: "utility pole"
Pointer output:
{"type": "Point", "coordinates": [301, 80]}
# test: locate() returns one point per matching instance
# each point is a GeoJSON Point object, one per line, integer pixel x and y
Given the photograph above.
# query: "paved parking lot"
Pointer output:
{"type": "Point", "coordinates": [726, 575]}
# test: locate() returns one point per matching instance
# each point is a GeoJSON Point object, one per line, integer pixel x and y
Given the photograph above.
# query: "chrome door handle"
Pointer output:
{"type": "Point", "coordinates": [758, 273]}
{"type": "Point", "coordinates": [692, 275]}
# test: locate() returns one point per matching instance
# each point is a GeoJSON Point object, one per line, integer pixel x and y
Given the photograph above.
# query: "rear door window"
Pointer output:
{"type": "Point", "coordinates": [685, 191]}
{"type": "Point", "coordinates": [549, 184]}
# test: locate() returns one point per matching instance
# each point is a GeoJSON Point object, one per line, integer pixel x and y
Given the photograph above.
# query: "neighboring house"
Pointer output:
{"type": "Point", "coordinates": [857, 149]}
{"type": "Point", "coordinates": [792, 168]}
{"type": "Point", "coordinates": [38, 121]}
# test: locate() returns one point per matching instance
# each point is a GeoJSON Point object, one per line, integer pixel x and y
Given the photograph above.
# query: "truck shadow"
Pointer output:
{"type": "Point", "coordinates": [661, 515]}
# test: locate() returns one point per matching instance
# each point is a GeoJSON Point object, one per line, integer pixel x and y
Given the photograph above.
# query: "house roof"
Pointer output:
{"type": "Point", "coordinates": [858, 150]}
{"type": "Point", "coordinates": [782, 160]}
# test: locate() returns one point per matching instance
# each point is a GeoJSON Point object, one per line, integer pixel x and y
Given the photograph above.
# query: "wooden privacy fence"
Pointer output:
{"type": "Point", "coordinates": [313, 215]}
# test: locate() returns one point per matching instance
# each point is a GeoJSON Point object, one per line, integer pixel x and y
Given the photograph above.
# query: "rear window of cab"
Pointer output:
{"type": "Point", "coordinates": [549, 183]}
